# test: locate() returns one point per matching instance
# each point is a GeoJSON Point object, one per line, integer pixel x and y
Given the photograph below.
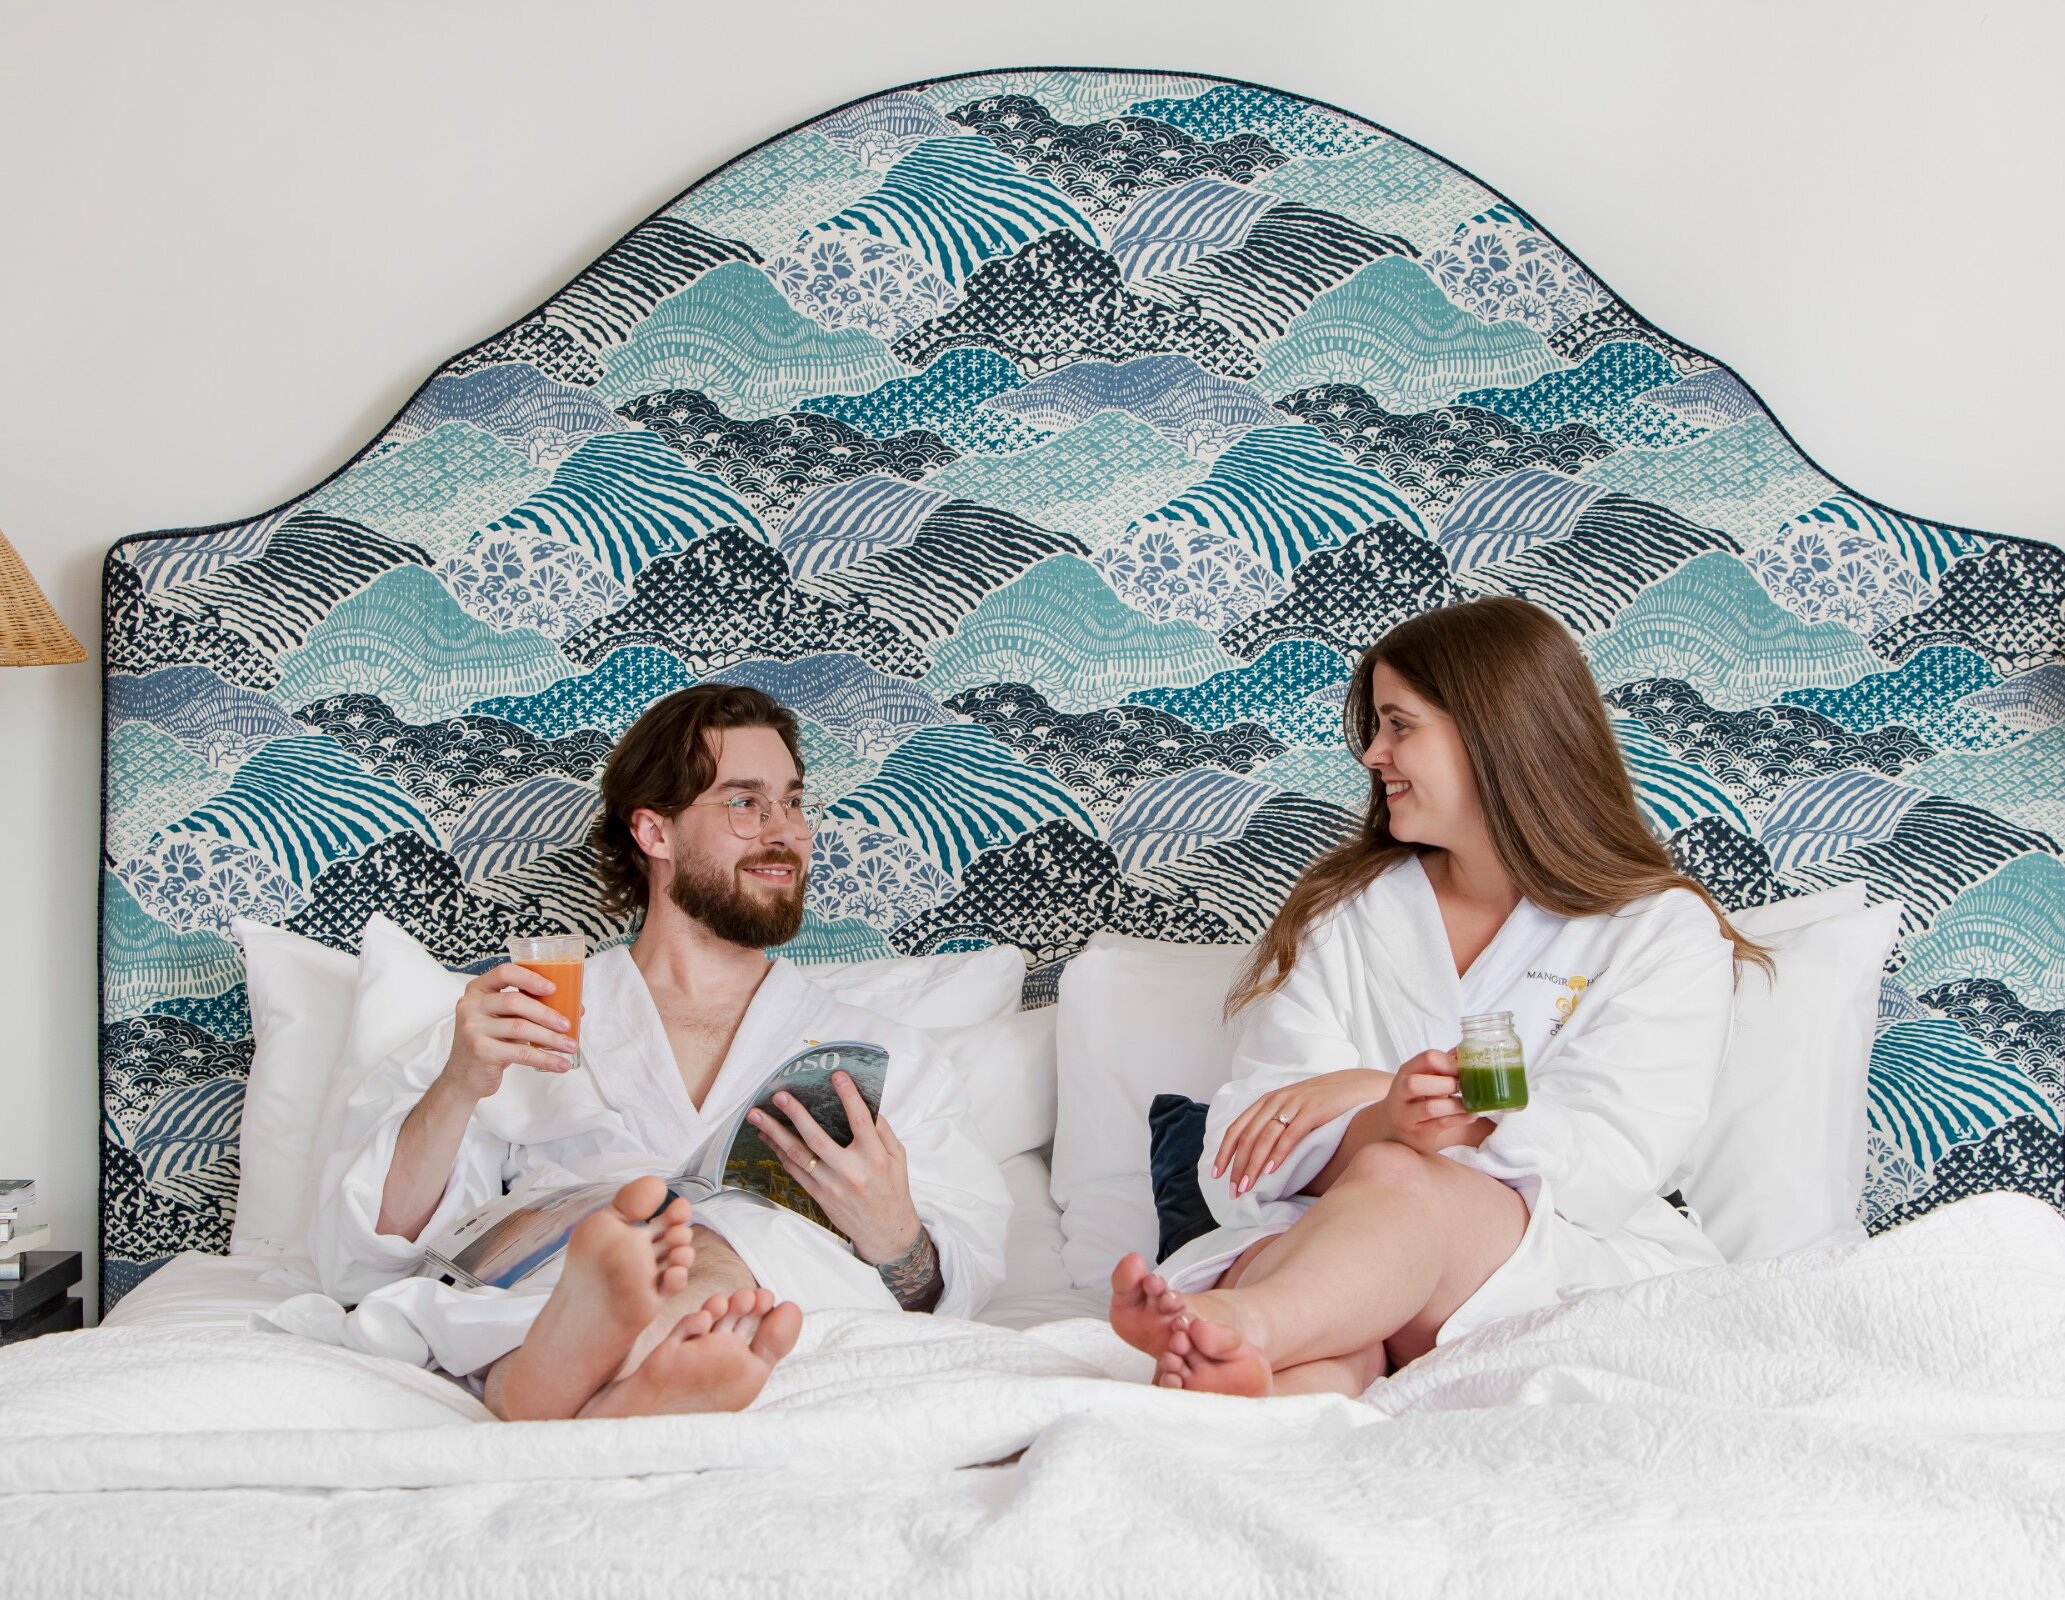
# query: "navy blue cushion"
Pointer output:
{"type": "Point", "coordinates": [1175, 1140]}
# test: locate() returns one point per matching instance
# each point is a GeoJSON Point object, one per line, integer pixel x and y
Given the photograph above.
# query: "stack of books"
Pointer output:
{"type": "Point", "coordinates": [18, 1235]}
{"type": "Point", "coordinates": [33, 1277]}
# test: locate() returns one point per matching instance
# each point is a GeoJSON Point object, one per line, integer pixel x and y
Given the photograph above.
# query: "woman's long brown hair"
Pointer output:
{"type": "Point", "coordinates": [1557, 799]}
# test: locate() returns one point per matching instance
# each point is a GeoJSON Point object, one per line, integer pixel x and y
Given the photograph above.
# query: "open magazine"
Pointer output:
{"type": "Point", "coordinates": [503, 1243]}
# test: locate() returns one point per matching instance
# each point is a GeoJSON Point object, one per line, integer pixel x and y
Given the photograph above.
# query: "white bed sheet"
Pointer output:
{"type": "Point", "coordinates": [1885, 1418]}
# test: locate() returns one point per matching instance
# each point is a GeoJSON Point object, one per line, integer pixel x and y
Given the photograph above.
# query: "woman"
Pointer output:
{"type": "Point", "coordinates": [1502, 865]}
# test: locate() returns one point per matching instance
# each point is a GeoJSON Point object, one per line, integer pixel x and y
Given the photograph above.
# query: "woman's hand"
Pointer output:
{"type": "Point", "coordinates": [1269, 1130]}
{"type": "Point", "coordinates": [1424, 1108]}
{"type": "Point", "coordinates": [864, 1187]}
{"type": "Point", "coordinates": [499, 1023]}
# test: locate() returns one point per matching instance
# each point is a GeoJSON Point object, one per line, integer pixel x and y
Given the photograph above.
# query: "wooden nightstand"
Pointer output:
{"type": "Point", "coordinates": [37, 1303]}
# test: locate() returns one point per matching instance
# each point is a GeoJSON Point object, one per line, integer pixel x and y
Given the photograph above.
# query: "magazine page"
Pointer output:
{"type": "Point", "coordinates": [740, 1159]}
{"type": "Point", "coordinates": [503, 1243]}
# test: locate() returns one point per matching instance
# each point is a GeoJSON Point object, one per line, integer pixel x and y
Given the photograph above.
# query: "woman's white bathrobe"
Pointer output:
{"type": "Point", "coordinates": [623, 1112]}
{"type": "Point", "coordinates": [1623, 1017]}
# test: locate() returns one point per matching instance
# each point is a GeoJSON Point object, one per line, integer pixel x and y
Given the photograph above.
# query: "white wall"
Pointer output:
{"type": "Point", "coordinates": [235, 235]}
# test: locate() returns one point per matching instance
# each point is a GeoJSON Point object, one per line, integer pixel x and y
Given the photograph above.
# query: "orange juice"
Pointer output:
{"type": "Point", "coordinates": [558, 957]}
{"type": "Point", "coordinates": [565, 997]}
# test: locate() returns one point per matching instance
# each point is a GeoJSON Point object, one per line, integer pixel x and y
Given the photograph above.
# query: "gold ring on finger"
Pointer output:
{"type": "Point", "coordinates": [813, 1165]}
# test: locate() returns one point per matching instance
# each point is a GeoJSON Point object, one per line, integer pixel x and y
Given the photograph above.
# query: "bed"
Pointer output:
{"type": "Point", "coordinates": [1051, 440]}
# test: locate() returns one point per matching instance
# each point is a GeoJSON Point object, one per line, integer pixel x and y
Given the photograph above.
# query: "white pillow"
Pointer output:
{"type": "Point", "coordinates": [1035, 1287]}
{"type": "Point", "coordinates": [945, 991]}
{"type": "Point", "coordinates": [300, 1008]}
{"type": "Point", "coordinates": [1008, 1065]}
{"type": "Point", "coordinates": [1780, 1163]}
{"type": "Point", "coordinates": [1138, 1019]}
{"type": "Point", "coordinates": [399, 993]}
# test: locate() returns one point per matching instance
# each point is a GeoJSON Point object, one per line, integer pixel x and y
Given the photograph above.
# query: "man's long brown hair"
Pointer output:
{"type": "Point", "coordinates": [1557, 799]}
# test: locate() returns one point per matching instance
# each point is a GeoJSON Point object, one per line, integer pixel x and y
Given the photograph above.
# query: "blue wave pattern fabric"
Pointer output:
{"type": "Point", "coordinates": [1053, 441]}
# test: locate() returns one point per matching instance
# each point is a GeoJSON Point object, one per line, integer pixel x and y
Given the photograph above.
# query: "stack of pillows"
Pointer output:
{"type": "Point", "coordinates": [1110, 1084]}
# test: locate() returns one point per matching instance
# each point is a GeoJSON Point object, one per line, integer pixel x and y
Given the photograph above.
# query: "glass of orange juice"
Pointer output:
{"type": "Point", "coordinates": [558, 957]}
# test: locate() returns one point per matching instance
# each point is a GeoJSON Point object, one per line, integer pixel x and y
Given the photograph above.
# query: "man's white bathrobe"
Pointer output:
{"type": "Point", "coordinates": [1623, 1018]}
{"type": "Point", "coordinates": [625, 1111]}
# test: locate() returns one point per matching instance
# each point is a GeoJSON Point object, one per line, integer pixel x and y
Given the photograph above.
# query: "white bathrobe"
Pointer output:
{"type": "Point", "coordinates": [1623, 1018]}
{"type": "Point", "coordinates": [625, 1111]}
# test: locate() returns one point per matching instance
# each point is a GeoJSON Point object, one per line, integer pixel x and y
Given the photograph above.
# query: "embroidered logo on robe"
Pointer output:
{"type": "Point", "coordinates": [1575, 987]}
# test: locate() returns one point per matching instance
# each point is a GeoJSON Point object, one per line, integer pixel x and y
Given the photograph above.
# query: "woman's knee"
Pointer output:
{"type": "Point", "coordinates": [1392, 1167]}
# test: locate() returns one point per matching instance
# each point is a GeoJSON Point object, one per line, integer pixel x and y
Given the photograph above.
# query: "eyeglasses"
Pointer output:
{"type": "Point", "coordinates": [749, 815]}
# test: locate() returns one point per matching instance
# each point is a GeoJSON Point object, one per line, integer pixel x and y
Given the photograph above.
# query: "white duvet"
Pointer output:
{"type": "Point", "coordinates": [1881, 1419]}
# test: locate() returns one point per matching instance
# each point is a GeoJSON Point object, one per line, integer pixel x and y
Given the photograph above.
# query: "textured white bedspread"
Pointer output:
{"type": "Point", "coordinates": [1884, 1419]}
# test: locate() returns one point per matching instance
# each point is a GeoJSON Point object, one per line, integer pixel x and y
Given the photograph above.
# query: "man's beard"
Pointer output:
{"type": "Point", "coordinates": [713, 896]}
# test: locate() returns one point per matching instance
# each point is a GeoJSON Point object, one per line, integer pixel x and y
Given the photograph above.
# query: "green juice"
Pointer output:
{"type": "Point", "coordinates": [1491, 1070]}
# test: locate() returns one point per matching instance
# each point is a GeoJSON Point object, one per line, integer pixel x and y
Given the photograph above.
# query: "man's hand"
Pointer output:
{"type": "Point", "coordinates": [1424, 1109]}
{"type": "Point", "coordinates": [501, 1024]}
{"type": "Point", "coordinates": [498, 1024]}
{"type": "Point", "coordinates": [864, 1187]}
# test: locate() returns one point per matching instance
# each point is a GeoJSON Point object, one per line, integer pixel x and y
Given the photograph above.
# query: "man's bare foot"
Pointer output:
{"type": "Point", "coordinates": [1144, 1309]}
{"type": "Point", "coordinates": [715, 1359]}
{"type": "Point", "coordinates": [1214, 1358]}
{"type": "Point", "coordinates": [619, 1267]}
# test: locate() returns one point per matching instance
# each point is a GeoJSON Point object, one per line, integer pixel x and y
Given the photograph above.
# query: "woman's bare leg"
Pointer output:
{"type": "Point", "coordinates": [1385, 1256]}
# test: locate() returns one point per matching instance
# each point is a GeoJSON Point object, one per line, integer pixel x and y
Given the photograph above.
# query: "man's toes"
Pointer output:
{"type": "Point", "coordinates": [692, 1326]}
{"type": "Point", "coordinates": [744, 1302]}
{"type": "Point", "coordinates": [778, 1331]}
{"type": "Point", "coordinates": [640, 1198]}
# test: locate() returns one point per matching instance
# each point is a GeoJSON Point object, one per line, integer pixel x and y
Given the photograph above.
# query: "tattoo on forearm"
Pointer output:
{"type": "Point", "coordinates": [914, 1277]}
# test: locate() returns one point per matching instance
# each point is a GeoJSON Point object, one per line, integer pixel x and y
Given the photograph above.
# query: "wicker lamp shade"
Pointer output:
{"type": "Point", "coordinates": [31, 634]}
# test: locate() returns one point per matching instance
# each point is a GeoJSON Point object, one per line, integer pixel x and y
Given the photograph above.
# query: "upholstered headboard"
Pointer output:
{"type": "Point", "coordinates": [1052, 441]}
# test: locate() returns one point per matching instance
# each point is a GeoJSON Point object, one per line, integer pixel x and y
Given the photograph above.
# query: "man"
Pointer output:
{"type": "Point", "coordinates": [705, 829]}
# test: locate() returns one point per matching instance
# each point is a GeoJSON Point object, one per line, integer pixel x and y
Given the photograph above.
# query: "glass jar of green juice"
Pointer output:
{"type": "Point", "coordinates": [1490, 1065]}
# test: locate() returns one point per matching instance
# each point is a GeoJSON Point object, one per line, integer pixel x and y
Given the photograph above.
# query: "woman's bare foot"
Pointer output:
{"type": "Point", "coordinates": [619, 1267]}
{"type": "Point", "coordinates": [1144, 1309]}
{"type": "Point", "coordinates": [1215, 1358]}
{"type": "Point", "coordinates": [715, 1359]}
